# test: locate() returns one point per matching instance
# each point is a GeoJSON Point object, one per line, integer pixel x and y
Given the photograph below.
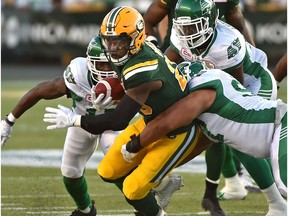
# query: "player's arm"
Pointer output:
{"type": "Point", "coordinates": [190, 108]}
{"type": "Point", "coordinates": [45, 90]}
{"type": "Point", "coordinates": [280, 70]}
{"type": "Point", "coordinates": [153, 16]}
{"type": "Point", "coordinates": [116, 120]}
{"type": "Point", "coordinates": [236, 19]}
{"type": "Point", "coordinates": [172, 55]}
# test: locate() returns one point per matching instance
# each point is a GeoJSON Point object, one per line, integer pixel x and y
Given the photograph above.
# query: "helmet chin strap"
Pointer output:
{"type": "Point", "coordinates": [121, 61]}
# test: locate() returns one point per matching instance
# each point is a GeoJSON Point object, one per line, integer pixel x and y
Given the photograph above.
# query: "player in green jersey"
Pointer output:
{"type": "Point", "coordinates": [228, 113]}
{"type": "Point", "coordinates": [152, 84]}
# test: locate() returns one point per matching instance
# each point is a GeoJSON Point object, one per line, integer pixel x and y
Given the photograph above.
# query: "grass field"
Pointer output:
{"type": "Point", "coordinates": [40, 191]}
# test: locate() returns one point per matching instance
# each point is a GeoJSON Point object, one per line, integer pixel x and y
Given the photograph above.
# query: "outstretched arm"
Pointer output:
{"type": "Point", "coordinates": [46, 90]}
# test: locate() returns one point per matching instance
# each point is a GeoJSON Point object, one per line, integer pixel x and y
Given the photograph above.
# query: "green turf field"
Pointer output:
{"type": "Point", "coordinates": [40, 191]}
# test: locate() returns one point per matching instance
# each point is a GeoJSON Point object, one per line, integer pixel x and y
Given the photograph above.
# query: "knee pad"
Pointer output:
{"type": "Point", "coordinates": [106, 171]}
{"type": "Point", "coordinates": [137, 187]}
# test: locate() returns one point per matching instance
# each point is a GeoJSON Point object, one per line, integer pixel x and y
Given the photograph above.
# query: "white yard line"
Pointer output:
{"type": "Point", "coordinates": [52, 158]}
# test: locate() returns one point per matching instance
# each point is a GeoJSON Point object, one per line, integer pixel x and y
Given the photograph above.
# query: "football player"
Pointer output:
{"type": "Point", "coordinates": [161, 12]}
{"type": "Point", "coordinates": [228, 113]}
{"type": "Point", "coordinates": [198, 34]}
{"type": "Point", "coordinates": [228, 11]}
{"type": "Point", "coordinates": [152, 84]}
{"type": "Point", "coordinates": [77, 83]}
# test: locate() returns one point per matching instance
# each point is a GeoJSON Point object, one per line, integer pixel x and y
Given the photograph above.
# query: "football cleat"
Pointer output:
{"type": "Point", "coordinates": [212, 205]}
{"type": "Point", "coordinates": [93, 211]}
{"type": "Point", "coordinates": [173, 183]}
{"type": "Point", "coordinates": [233, 190]}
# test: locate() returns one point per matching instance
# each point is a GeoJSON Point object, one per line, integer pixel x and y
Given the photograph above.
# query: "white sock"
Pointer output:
{"type": "Point", "coordinates": [233, 181]}
{"type": "Point", "coordinates": [86, 210]}
{"type": "Point", "coordinates": [273, 196]}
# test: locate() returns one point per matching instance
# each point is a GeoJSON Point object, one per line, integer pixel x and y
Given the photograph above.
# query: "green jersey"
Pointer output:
{"type": "Point", "coordinates": [150, 64]}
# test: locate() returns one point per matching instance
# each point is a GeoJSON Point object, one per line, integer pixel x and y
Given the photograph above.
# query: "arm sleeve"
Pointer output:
{"type": "Point", "coordinates": [116, 120]}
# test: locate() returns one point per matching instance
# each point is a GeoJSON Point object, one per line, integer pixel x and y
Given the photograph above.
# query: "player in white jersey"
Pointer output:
{"type": "Point", "coordinates": [198, 34]}
{"type": "Point", "coordinates": [77, 83]}
{"type": "Point", "coordinates": [230, 114]}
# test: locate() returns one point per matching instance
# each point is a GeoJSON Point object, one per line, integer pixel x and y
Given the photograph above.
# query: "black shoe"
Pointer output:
{"type": "Point", "coordinates": [93, 211]}
{"type": "Point", "coordinates": [212, 205]}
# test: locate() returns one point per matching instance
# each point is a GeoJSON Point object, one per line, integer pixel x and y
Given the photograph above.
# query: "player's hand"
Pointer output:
{"type": "Point", "coordinates": [6, 130]}
{"type": "Point", "coordinates": [99, 103]}
{"type": "Point", "coordinates": [128, 156]}
{"type": "Point", "coordinates": [61, 118]}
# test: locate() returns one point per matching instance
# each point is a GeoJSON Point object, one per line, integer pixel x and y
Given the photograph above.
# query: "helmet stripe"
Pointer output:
{"type": "Point", "coordinates": [111, 21]}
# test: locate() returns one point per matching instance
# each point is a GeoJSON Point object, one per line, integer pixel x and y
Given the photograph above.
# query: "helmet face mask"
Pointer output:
{"type": "Point", "coordinates": [97, 62]}
{"type": "Point", "coordinates": [117, 48]}
{"type": "Point", "coordinates": [123, 34]}
{"type": "Point", "coordinates": [194, 21]}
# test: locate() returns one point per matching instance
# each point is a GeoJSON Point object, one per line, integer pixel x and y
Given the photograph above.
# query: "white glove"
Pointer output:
{"type": "Point", "coordinates": [6, 131]}
{"type": "Point", "coordinates": [128, 156]}
{"type": "Point", "coordinates": [62, 117]}
{"type": "Point", "coordinates": [101, 103]}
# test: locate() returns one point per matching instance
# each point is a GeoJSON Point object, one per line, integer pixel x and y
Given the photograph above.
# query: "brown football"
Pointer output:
{"type": "Point", "coordinates": [110, 86]}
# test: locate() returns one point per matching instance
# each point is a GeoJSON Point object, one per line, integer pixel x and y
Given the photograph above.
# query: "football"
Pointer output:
{"type": "Point", "coordinates": [110, 86]}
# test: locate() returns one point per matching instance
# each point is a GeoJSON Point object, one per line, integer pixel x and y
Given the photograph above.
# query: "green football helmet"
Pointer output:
{"type": "Point", "coordinates": [97, 61]}
{"type": "Point", "coordinates": [192, 69]}
{"type": "Point", "coordinates": [195, 21]}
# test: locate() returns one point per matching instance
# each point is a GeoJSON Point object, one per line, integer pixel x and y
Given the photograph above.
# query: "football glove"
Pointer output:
{"type": "Point", "coordinates": [128, 156]}
{"type": "Point", "coordinates": [99, 104]}
{"type": "Point", "coordinates": [130, 149]}
{"type": "Point", "coordinates": [62, 117]}
{"type": "Point", "coordinates": [6, 130]}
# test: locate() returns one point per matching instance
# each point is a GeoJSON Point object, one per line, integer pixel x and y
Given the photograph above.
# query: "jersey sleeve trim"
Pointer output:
{"type": "Point", "coordinates": [139, 68]}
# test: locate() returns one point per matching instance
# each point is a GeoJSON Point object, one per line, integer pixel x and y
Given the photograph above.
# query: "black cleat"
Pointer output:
{"type": "Point", "coordinates": [93, 211]}
{"type": "Point", "coordinates": [212, 205]}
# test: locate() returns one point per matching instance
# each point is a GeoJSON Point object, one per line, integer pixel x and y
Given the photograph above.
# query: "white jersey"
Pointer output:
{"type": "Point", "coordinates": [78, 80]}
{"type": "Point", "coordinates": [238, 118]}
{"type": "Point", "coordinates": [80, 144]}
{"type": "Point", "coordinates": [227, 51]}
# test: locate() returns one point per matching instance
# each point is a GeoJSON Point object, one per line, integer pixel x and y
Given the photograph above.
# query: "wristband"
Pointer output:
{"type": "Point", "coordinates": [134, 145]}
{"type": "Point", "coordinates": [10, 119]}
{"type": "Point", "coordinates": [77, 122]}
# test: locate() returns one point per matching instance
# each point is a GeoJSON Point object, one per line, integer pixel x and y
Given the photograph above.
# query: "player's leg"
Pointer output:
{"type": "Point", "coordinates": [279, 157]}
{"type": "Point", "coordinates": [78, 148]}
{"type": "Point", "coordinates": [150, 168]}
{"type": "Point", "coordinates": [260, 171]}
{"type": "Point", "coordinates": [214, 157]}
{"type": "Point", "coordinates": [234, 189]}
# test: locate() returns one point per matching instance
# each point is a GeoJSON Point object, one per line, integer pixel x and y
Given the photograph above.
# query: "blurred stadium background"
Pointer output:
{"type": "Point", "coordinates": [38, 40]}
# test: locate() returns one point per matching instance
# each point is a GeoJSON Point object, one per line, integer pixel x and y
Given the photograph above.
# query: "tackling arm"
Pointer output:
{"type": "Point", "coordinates": [236, 19]}
{"type": "Point", "coordinates": [46, 90]}
{"type": "Point", "coordinates": [190, 108]}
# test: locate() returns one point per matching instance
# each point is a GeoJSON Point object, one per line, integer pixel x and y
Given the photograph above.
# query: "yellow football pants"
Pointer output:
{"type": "Point", "coordinates": [150, 164]}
